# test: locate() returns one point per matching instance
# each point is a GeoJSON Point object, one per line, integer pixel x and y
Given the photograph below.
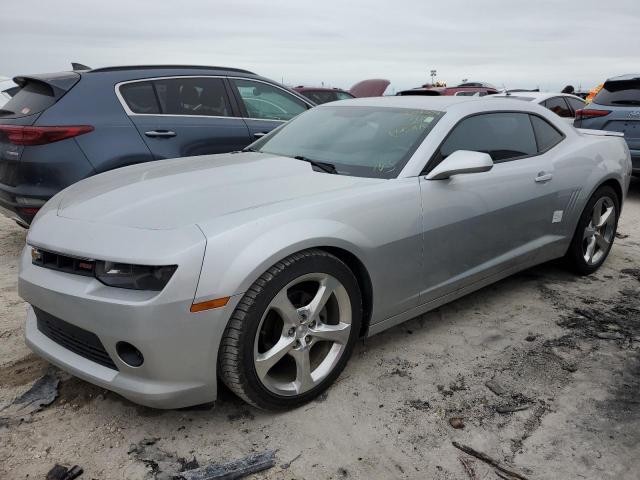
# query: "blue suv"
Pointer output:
{"type": "Point", "coordinates": [616, 107]}
{"type": "Point", "coordinates": [60, 128]}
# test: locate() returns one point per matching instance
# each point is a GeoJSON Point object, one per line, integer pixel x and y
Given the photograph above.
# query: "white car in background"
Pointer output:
{"type": "Point", "coordinates": [6, 84]}
{"type": "Point", "coordinates": [563, 104]}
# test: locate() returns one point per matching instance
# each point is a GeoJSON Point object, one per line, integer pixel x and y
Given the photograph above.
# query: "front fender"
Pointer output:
{"type": "Point", "coordinates": [235, 260]}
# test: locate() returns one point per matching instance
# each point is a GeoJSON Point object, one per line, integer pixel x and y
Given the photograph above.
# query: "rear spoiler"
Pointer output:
{"type": "Point", "coordinates": [599, 133]}
{"type": "Point", "coordinates": [60, 83]}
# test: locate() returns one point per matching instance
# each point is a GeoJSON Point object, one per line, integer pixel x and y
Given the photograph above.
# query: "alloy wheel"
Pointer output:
{"type": "Point", "coordinates": [303, 334]}
{"type": "Point", "coordinates": [599, 232]}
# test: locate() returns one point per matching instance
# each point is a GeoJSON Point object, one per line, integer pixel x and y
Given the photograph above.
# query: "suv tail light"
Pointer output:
{"type": "Point", "coordinates": [18, 135]}
{"type": "Point", "coordinates": [585, 113]}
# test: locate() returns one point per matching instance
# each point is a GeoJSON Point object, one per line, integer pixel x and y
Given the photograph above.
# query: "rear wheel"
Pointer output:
{"type": "Point", "coordinates": [595, 233]}
{"type": "Point", "coordinates": [293, 332]}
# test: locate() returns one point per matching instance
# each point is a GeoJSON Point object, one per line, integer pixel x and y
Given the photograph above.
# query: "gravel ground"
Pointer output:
{"type": "Point", "coordinates": [566, 349]}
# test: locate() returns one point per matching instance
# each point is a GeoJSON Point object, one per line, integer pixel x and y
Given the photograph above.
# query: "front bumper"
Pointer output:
{"type": "Point", "coordinates": [180, 348]}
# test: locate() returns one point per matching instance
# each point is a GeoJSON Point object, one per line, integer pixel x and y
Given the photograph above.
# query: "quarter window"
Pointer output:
{"type": "Point", "coordinates": [558, 106]}
{"type": "Point", "coordinates": [140, 98]}
{"type": "Point", "coordinates": [546, 134]}
{"type": "Point", "coordinates": [503, 136]}
{"type": "Point", "coordinates": [267, 102]}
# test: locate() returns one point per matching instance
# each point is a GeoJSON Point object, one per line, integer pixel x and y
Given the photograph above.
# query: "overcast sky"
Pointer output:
{"type": "Point", "coordinates": [525, 44]}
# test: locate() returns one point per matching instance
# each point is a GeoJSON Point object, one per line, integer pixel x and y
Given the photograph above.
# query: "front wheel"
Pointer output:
{"type": "Point", "coordinates": [595, 232]}
{"type": "Point", "coordinates": [293, 331]}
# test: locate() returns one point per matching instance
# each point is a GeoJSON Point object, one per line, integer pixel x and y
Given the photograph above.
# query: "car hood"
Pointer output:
{"type": "Point", "coordinates": [169, 194]}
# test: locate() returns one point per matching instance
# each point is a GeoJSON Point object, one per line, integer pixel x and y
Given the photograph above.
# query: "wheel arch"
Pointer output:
{"type": "Point", "coordinates": [617, 187]}
{"type": "Point", "coordinates": [364, 282]}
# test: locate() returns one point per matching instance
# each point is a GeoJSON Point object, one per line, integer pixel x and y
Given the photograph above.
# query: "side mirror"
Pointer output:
{"type": "Point", "coordinates": [461, 161]}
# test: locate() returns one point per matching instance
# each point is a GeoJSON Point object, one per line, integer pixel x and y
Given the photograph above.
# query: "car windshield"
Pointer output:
{"type": "Point", "coordinates": [360, 141]}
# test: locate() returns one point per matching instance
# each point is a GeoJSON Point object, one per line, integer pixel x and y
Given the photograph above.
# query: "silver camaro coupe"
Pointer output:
{"type": "Point", "coordinates": [264, 267]}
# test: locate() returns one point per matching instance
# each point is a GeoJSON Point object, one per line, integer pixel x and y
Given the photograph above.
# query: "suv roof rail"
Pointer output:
{"type": "Point", "coordinates": [159, 67]}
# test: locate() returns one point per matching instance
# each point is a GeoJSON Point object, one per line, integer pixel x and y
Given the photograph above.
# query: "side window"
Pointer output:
{"type": "Point", "coordinates": [575, 103]}
{"type": "Point", "coordinates": [504, 136]}
{"type": "Point", "coordinates": [558, 106]}
{"type": "Point", "coordinates": [140, 98]}
{"type": "Point", "coordinates": [546, 134]}
{"type": "Point", "coordinates": [193, 96]}
{"type": "Point", "coordinates": [266, 102]}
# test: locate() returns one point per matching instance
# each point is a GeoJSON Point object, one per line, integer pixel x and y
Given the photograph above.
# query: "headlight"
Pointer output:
{"type": "Point", "coordinates": [134, 277]}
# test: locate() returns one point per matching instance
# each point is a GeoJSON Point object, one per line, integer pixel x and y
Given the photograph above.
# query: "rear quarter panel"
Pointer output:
{"type": "Point", "coordinates": [115, 142]}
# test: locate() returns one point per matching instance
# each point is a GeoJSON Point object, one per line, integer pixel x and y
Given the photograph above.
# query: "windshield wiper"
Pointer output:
{"type": "Point", "coordinates": [4, 111]}
{"type": "Point", "coordinates": [324, 166]}
{"type": "Point", "coordinates": [626, 102]}
{"type": "Point", "coordinates": [249, 149]}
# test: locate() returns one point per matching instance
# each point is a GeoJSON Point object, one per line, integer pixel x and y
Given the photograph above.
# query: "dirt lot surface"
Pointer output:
{"type": "Point", "coordinates": [562, 351]}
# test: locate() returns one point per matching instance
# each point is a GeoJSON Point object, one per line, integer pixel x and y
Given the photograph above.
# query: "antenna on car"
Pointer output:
{"type": "Point", "coordinates": [79, 66]}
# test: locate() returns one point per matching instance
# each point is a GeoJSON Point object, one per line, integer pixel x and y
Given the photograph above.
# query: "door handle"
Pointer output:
{"type": "Point", "coordinates": [259, 134]}
{"type": "Point", "coordinates": [543, 177]}
{"type": "Point", "coordinates": [160, 133]}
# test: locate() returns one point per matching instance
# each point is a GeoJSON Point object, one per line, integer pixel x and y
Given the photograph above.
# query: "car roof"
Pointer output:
{"type": "Point", "coordinates": [438, 103]}
{"type": "Point", "coordinates": [167, 67]}
{"type": "Point", "coordinates": [459, 106]}
{"type": "Point", "coordinates": [134, 72]}
{"type": "Point", "coordinates": [539, 96]}
{"type": "Point", "coordinates": [621, 78]}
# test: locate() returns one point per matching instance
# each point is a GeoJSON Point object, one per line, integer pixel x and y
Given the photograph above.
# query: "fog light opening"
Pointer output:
{"type": "Point", "coordinates": [129, 354]}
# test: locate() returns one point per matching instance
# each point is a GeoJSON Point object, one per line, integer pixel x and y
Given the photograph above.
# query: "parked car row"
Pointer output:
{"type": "Point", "coordinates": [467, 89]}
{"type": "Point", "coordinates": [374, 87]}
{"type": "Point", "coordinates": [49, 139]}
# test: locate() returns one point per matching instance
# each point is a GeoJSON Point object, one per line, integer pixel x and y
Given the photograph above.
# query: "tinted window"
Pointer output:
{"type": "Point", "coordinates": [501, 135]}
{"type": "Point", "coordinates": [619, 93]}
{"type": "Point", "coordinates": [558, 106]}
{"type": "Point", "coordinates": [140, 97]}
{"type": "Point", "coordinates": [359, 141]}
{"type": "Point", "coordinates": [34, 97]}
{"type": "Point", "coordinates": [193, 96]}
{"type": "Point", "coordinates": [268, 102]}
{"type": "Point", "coordinates": [575, 103]}
{"type": "Point", "coordinates": [546, 134]}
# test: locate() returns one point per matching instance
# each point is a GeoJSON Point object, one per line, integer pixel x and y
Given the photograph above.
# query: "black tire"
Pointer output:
{"type": "Point", "coordinates": [236, 356]}
{"type": "Point", "coordinates": [574, 258]}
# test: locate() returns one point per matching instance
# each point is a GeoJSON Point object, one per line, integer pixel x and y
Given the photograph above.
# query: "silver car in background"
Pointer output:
{"type": "Point", "coordinates": [562, 104]}
{"type": "Point", "coordinates": [264, 267]}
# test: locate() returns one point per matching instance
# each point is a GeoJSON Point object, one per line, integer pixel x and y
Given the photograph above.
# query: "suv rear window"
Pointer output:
{"type": "Point", "coordinates": [34, 97]}
{"type": "Point", "coordinates": [619, 93]}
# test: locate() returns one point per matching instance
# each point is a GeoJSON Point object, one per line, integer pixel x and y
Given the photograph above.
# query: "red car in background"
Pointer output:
{"type": "Point", "coordinates": [464, 89]}
{"type": "Point", "coordinates": [373, 87]}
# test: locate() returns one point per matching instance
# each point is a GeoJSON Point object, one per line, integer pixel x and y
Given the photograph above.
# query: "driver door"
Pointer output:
{"type": "Point", "coordinates": [480, 224]}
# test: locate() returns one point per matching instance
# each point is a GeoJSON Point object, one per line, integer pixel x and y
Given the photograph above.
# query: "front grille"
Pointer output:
{"type": "Point", "coordinates": [76, 339]}
{"type": "Point", "coordinates": [63, 263]}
